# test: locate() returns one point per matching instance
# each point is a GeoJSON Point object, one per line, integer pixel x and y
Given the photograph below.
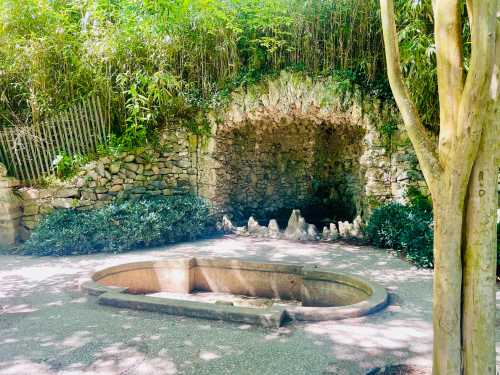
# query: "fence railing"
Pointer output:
{"type": "Point", "coordinates": [28, 151]}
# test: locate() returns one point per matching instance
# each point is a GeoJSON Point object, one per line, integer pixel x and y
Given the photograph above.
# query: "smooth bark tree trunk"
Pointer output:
{"type": "Point", "coordinates": [461, 174]}
{"type": "Point", "coordinates": [447, 284]}
{"type": "Point", "coordinates": [479, 258]}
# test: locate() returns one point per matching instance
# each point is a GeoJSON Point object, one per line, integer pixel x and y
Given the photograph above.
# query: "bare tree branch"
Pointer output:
{"type": "Point", "coordinates": [424, 147]}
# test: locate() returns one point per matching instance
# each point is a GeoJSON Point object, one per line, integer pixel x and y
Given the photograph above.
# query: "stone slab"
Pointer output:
{"type": "Point", "coordinates": [268, 318]}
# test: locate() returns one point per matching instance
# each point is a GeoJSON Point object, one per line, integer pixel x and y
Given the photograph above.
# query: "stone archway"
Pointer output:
{"type": "Point", "coordinates": [296, 143]}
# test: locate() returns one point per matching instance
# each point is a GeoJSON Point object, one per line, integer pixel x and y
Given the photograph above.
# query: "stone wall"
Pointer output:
{"type": "Point", "coordinates": [278, 143]}
{"type": "Point", "coordinates": [167, 170]}
{"type": "Point", "coordinates": [10, 210]}
{"type": "Point", "coordinates": [281, 144]}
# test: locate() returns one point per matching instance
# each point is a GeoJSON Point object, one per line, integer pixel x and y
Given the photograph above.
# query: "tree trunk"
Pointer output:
{"type": "Point", "coordinates": [479, 257]}
{"type": "Point", "coordinates": [447, 284]}
{"type": "Point", "coordinates": [461, 175]}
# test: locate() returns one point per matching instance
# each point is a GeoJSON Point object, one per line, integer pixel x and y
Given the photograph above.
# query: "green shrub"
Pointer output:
{"type": "Point", "coordinates": [406, 229]}
{"type": "Point", "coordinates": [122, 226]}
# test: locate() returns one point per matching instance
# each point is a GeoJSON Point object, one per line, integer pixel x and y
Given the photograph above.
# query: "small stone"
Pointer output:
{"type": "Point", "coordinates": [273, 229]}
{"type": "Point", "coordinates": [114, 168]}
{"type": "Point", "coordinates": [334, 233]}
{"type": "Point", "coordinates": [357, 227]}
{"type": "Point", "coordinates": [312, 232]}
{"type": "Point", "coordinates": [3, 170]}
{"type": "Point", "coordinates": [67, 193]}
{"type": "Point", "coordinates": [63, 203]}
{"type": "Point", "coordinates": [325, 234]}
{"type": "Point", "coordinates": [297, 227]}
{"type": "Point", "coordinates": [116, 188]}
{"type": "Point", "coordinates": [129, 158]}
{"type": "Point", "coordinates": [345, 229]}
{"type": "Point", "coordinates": [227, 225]}
{"type": "Point", "coordinates": [132, 167]}
{"type": "Point", "coordinates": [253, 226]}
{"type": "Point", "coordinates": [89, 195]}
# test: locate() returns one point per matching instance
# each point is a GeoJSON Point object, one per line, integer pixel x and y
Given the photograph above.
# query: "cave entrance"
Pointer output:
{"type": "Point", "coordinates": [269, 168]}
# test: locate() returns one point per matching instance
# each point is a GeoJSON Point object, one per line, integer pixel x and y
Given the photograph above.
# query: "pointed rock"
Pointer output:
{"type": "Point", "coordinates": [345, 229]}
{"type": "Point", "coordinates": [227, 225]}
{"type": "Point", "coordinates": [334, 233]}
{"type": "Point", "coordinates": [253, 225]}
{"type": "Point", "coordinates": [357, 227]}
{"type": "Point", "coordinates": [312, 232]}
{"type": "Point", "coordinates": [273, 229]}
{"type": "Point", "coordinates": [325, 234]}
{"type": "Point", "coordinates": [297, 227]}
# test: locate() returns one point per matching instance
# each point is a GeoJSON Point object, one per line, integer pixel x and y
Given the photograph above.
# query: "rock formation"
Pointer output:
{"type": "Point", "coordinates": [297, 227]}
{"type": "Point", "coordinates": [273, 229]}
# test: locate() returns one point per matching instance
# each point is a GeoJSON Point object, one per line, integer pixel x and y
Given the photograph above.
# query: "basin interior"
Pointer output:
{"type": "Point", "coordinates": [232, 281]}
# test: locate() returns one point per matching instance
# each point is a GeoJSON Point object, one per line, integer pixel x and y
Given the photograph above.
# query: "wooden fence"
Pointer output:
{"type": "Point", "coordinates": [29, 151]}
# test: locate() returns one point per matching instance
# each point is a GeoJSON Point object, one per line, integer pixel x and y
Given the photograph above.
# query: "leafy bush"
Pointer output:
{"type": "Point", "coordinates": [406, 229]}
{"type": "Point", "coordinates": [121, 226]}
{"type": "Point", "coordinates": [66, 166]}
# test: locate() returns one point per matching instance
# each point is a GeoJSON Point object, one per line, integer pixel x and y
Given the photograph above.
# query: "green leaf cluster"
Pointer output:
{"type": "Point", "coordinates": [122, 226]}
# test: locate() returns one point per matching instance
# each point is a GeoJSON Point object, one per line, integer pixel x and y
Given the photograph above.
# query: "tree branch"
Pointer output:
{"type": "Point", "coordinates": [477, 89]}
{"type": "Point", "coordinates": [450, 70]}
{"type": "Point", "coordinates": [424, 147]}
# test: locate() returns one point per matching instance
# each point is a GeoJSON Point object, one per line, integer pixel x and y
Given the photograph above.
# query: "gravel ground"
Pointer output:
{"type": "Point", "coordinates": [49, 326]}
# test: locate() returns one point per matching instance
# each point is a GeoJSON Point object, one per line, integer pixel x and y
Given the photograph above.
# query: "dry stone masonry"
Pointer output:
{"type": "Point", "coordinates": [146, 172]}
{"type": "Point", "coordinates": [291, 142]}
{"type": "Point", "coordinates": [296, 142]}
{"type": "Point", "coordinates": [10, 210]}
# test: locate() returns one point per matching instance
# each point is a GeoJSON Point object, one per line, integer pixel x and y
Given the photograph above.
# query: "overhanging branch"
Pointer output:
{"type": "Point", "coordinates": [424, 147]}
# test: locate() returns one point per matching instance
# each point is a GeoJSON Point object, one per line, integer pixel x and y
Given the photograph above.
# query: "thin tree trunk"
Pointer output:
{"type": "Point", "coordinates": [447, 285]}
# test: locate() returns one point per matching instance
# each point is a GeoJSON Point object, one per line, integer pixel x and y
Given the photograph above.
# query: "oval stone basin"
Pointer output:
{"type": "Point", "coordinates": [289, 292]}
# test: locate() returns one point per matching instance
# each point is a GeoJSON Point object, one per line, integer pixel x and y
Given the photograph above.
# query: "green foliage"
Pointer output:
{"type": "Point", "coordinates": [66, 166]}
{"type": "Point", "coordinates": [418, 200]}
{"type": "Point", "coordinates": [172, 60]}
{"type": "Point", "coordinates": [121, 226]}
{"type": "Point", "coordinates": [406, 229]}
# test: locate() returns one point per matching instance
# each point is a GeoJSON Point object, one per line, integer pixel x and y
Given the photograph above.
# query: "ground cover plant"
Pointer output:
{"type": "Point", "coordinates": [121, 226]}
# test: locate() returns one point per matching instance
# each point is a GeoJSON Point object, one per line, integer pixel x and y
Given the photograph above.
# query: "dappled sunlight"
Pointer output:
{"type": "Point", "coordinates": [45, 315]}
{"type": "Point", "coordinates": [24, 366]}
{"type": "Point", "coordinates": [362, 340]}
{"type": "Point", "coordinates": [208, 356]}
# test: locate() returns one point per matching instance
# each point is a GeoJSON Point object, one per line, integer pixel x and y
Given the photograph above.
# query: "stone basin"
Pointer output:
{"type": "Point", "coordinates": [295, 292]}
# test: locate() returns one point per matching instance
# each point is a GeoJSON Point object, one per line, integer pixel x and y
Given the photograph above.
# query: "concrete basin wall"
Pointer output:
{"type": "Point", "coordinates": [324, 294]}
